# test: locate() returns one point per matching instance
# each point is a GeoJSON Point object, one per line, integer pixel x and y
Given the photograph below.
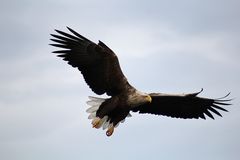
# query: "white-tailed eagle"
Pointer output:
{"type": "Point", "coordinates": [100, 68]}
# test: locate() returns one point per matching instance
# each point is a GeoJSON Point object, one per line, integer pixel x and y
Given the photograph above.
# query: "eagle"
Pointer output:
{"type": "Point", "coordinates": [101, 70]}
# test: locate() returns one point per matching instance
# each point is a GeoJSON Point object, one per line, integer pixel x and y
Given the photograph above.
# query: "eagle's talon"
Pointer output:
{"type": "Point", "coordinates": [96, 122]}
{"type": "Point", "coordinates": [110, 131]}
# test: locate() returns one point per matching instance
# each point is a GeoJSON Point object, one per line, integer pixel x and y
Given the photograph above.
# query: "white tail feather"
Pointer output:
{"type": "Point", "coordinates": [95, 103]}
{"type": "Point", "coordinates": [92, 115]}
{"type": "Point", "coordinates": [104, 120]}
{"type": "Point", "coordinates": [96, 99]}
{"type": "Point", "coordinates": [105, 125]}
{"type": "Point", "coordinates": [92, 109]}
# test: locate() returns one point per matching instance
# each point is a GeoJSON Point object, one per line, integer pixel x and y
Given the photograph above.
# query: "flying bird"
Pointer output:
{"type": "Point", "coordinates": [100, 68]}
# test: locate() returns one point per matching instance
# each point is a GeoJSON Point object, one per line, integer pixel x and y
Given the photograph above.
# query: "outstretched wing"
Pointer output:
{"type": "Point", "coordinates": [98, 63]}
{"type": "Point", "coordinates": [183, 106]}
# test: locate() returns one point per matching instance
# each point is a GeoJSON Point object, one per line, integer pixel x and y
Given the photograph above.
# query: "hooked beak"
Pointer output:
{"type": "Point", "coordinates": [149, 98]}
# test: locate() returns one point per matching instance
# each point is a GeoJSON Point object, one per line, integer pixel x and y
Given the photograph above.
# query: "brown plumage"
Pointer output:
{"type": "Point", "coordinates": [93, 60]}
{"type": "Point", "coordinates": [101, 70]}
{"type": "Point", "coordinates": [183, 106]}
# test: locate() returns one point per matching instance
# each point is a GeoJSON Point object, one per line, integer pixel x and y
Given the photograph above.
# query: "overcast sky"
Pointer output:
{"type": "Point", "coordinates": [163, 46]}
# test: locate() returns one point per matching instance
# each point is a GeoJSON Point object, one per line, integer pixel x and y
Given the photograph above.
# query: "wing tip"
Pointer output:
{"type": "Point", "coordinates": [195, 94]}
{"type": "Point", "coordinates": [69, 28]}
{"type": "Point", "coordinates": [222, 98]}
{"type": "Point", "coordinates": [218, 104]}
{"type": "Point", "coordinates": [77, 34]}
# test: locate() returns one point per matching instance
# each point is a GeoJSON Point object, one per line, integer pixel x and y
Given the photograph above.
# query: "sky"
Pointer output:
{"type": "Point", "coordinates": [163, 46]}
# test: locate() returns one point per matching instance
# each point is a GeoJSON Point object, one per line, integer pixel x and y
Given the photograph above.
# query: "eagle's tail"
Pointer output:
{"type": "Point", "coordinates": [95, 103]}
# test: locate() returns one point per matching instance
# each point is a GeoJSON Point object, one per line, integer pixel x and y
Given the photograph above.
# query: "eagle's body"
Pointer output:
{"type": "Point", "coordinates": [101, 70]}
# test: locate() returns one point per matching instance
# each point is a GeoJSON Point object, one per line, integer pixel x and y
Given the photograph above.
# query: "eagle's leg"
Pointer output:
{"type": "Point", "coordinates": [110, 130]}
{"type": "Point", "coordinates": [97, 122]}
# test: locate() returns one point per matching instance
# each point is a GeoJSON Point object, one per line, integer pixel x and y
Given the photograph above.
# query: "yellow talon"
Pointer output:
{"type": "Point", "coordinates": [110, 131]}
{"type": "Point", "coordinates": [96, 122]}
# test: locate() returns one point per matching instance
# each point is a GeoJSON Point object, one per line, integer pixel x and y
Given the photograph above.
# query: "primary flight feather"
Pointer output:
{"type": "Point", "coordinates": [101, 70]}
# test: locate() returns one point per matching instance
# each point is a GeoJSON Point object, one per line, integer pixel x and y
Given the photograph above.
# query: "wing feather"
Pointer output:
{"type": "Point", "coordinates": [183, 106]}
{"type": "Point", "coordinates": [98, 63]}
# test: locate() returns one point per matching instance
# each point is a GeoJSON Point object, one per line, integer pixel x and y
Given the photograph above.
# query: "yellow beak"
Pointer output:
{"type": "Point", "coordinates": [149, 98]}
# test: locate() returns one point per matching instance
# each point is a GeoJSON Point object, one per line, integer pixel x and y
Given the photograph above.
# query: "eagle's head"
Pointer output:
{"type": "Point", "coordinates": [138, 98]}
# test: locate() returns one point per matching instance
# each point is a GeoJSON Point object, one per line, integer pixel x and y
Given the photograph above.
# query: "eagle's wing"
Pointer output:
{"type": "Point", "coordinates": [98, 63]}
{"type": "Point", "coordinates": [183, 105]}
